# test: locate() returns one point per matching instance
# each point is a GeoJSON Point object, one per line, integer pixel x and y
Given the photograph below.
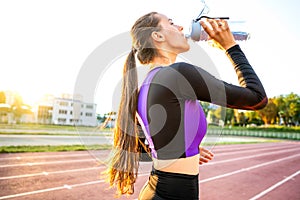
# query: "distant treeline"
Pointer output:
{"type": "Point", "coordinates": [280, 110]}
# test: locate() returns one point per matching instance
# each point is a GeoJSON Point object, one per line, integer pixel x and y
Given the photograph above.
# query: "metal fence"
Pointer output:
{"type": "Point", "coordinates": [255, 133]}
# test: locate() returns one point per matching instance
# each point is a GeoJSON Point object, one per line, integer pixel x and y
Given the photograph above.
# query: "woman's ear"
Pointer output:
{"type": "Point", "coordinates": [157, 36]}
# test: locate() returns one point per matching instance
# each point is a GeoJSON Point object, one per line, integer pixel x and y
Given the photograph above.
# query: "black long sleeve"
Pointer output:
{"type": "Point", "coordinates": [249, 95]}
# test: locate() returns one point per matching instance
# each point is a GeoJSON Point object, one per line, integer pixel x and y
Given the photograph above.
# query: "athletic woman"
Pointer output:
{"type": "Point", "coordinates": [167, 107]}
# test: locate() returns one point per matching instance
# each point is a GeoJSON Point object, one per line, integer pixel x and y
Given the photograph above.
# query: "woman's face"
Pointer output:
{"type": "Point", "coordinates": [173, 35]}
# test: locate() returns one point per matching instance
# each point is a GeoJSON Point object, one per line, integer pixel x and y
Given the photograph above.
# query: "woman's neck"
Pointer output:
{"type": "Point", "coordinates": [164, 59]}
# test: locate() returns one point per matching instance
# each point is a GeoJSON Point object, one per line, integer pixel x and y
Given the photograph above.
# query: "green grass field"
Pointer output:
{"type": "Point", "coordinates": [48, 148]}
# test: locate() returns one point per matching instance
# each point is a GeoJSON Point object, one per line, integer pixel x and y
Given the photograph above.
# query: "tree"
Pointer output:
{"type": "Point", "coordinates": [205, 107]}
{"type": "Point", "coordinates": [282, 107]}
{"type": "Point", "coordinates": [288, 108]}
{"type": "Point", "coordinates": [229, 118]}
{"type": "Point", "coordinates": [224, 114]}
{"type": "Point", "coordinates": [269, 113]}
{"type": "Point", "coordinates": [220, 113]}
{"type": "Point", "coordinates": [293, 101]}
{"type": "Point", "coordinates": [253, 117]}
{"type": "Point", "coordinates": [2, 97]}
{"type": "Point", "coordinates": [242, 119]}
{"type": "Point", "coordinates": [17, 107]}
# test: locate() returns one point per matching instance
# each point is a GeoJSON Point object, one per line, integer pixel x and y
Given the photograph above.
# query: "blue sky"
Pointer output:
{"type": "Point", "coordinates": [45, 43]}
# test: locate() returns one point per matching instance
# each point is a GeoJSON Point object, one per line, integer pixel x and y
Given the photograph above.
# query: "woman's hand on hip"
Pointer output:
{"type": "Point", "coordinates": [205, 155]}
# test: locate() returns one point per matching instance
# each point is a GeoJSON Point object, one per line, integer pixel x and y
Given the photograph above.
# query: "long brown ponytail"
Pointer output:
{"type": "Point", "coordinates": [124, 162]}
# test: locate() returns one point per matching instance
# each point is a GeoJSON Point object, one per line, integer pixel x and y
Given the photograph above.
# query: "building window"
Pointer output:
{"type": "Point", "coordinates": [74, 120]}
{"type": "Point", "coordinates": [89, 106]}
{"type": "Point", "coordinates": [63, 120]}
{"type": "Point", "coordinates": [63, 103]}
{"type": "Point", "coordinates": [62, 112]}
{"type": "Point", "coordinates": [88, 114]}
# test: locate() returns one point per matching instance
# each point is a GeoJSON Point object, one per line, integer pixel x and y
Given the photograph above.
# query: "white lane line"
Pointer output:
{"type": "Point", "coordinates": [46, 163]}
{"type": "Point", "coordinates": [65, 155]}
{"type": "Point", "coordinates": [255, 150]}
{"type": "Point", "coordinates": [31, 193]}
{"type": "Point", "coordinates": [68, 187]}
{"type": "Point", "coordinates": [57, 188]}
{"type": "Point", "coordinates": [50, 173]}
{"type": "Point", "coordinates": [247, 169]}
{"type": "Point", "coordinates": [274, 186]}
{"type": "Point", "coordinates": [250, 146]}
{"type": "Point", "coordinates": [246, 157]}
{"type": "Point", "coordinates": [44, 173]}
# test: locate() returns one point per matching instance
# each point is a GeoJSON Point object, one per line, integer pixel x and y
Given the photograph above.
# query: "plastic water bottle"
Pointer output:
{"type": "Point", "coordinates": [237, 28]}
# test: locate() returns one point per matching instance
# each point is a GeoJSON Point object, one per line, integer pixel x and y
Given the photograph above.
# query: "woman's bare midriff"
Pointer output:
{"type": "Point", "coordinates": [189, 165]}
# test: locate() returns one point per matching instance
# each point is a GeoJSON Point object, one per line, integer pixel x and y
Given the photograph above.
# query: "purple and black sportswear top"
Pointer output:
{"type": "Point", "coordinates": [168, 103]}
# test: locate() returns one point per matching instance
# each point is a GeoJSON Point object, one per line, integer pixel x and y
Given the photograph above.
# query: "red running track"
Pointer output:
{"type": "Point", "coordinates": [237, 172]}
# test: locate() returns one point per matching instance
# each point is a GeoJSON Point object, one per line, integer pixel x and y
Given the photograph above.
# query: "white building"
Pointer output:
{"type": "Point", "coordinates": [6, 115]}
{"type": "Point", "coordinates": [67, 111]}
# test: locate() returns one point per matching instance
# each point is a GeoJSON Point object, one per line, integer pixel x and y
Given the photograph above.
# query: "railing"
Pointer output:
{"type": "Point", "coordinates": [255, 133]}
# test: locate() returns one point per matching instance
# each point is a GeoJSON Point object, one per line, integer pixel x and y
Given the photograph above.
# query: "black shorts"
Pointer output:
{"type": "Point", "coordinates": [168, 186]}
